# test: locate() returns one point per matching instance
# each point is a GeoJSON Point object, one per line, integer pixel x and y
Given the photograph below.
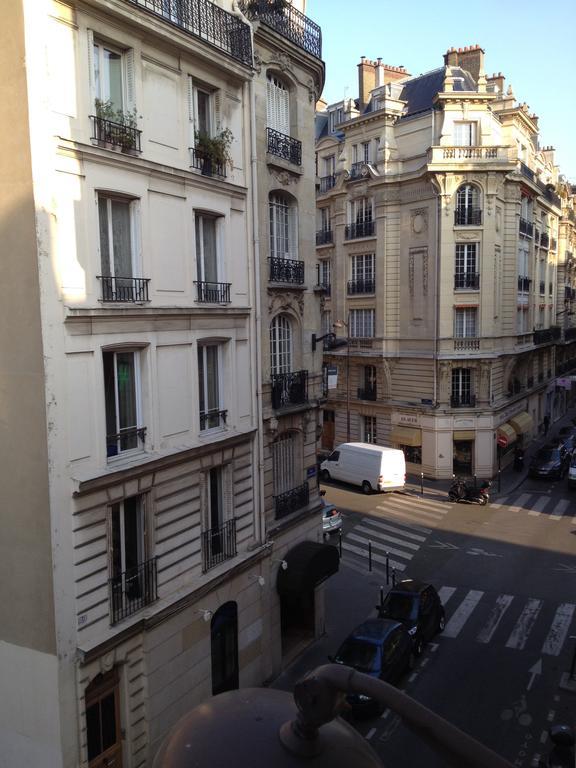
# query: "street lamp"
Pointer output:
{"type": "Point", "coordinates": [344, 324]}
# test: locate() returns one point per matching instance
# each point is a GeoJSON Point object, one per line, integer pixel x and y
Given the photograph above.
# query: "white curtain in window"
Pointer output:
{"type": "Point", "coordinates": [465, 134]}
{"type": "Point", "coordinates": [277, 105]}
{"type": "Point", "coordinates": [206, 250]}
{"type": "Point", "coordinates": [284, 464]}
{"type": "Point", "coordinates": [283, 228]}
{"type": "Point", "coordinates": [280, 345]}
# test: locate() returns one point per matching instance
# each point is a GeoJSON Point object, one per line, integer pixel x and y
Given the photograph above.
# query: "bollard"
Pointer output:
{"type": "Point", "coordinates": [422, 483]}
{"type": "Point", "coordinates": [381, 597]}
{"type": "Point", "coordinates": [499, 480]}
{"type": "Point", "coordinates": [340, 542]}
{"type": "Point", "coordinates": [474, 482]}
{"type": "Point", "coordinates": [393, 577]}
{"type": "Point", "coordinates": [387, 568]}
{"type": "Point", "coordinates": [369, 555]}
{"type": "Point", "coordinates": [573, 665]}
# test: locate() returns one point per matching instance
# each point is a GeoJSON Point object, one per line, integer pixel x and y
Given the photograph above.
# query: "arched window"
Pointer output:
{"type": "Point", "coordinates": [283, 226]}
{"type": "Point", "coordinates": [468, 210]}
{"type": "Point", "coordinates": [277, 105]}
{"type": "Point", "coordinates": [280, 345]}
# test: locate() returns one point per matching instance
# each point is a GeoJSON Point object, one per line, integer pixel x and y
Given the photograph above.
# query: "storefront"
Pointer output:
{"type": "Point", "coordinates": [409, 440]}
{"type": "Point", "coordinates": [506, 439]}
{"type": "Point", "coordinates": [463, 452]}
{"type": "Point", "coordinates": [522, 423]}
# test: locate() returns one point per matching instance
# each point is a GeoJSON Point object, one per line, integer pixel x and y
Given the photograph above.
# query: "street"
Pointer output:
{"type": "Point", "coordinates": [506, 575]}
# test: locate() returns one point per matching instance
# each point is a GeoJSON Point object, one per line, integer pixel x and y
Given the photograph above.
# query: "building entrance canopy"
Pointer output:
{"type": "Point", "coordinates": [307, 565]}
{"type": "Point", "coordinates": [522, 422]}
{"type": "Point", "coordinates": [508, 432]}
{"type": "Point", "coordinates": [407, 436]}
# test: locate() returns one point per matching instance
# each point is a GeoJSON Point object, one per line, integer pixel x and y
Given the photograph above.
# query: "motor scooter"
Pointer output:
{"type": "Point", "coordinates": [466, 491]}
{"type": "Point", "coordinates": [562, 753]}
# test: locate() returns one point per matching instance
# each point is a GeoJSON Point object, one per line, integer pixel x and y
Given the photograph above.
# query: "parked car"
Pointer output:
{"type": "Point", "coordinates": [380, 648]}
{"type": "Point", "coordinates": [572, 472]}
{"type": "Point", "coordinates": [551, 461]}
{"type": "Point", "coordinates": [331, 518]}
{"type": "Point", "coordinates": [373, 467]}
{"type": "Point", "coordinates": [418, 607]}
{"type": "Point", "coordinates": [567, 435]}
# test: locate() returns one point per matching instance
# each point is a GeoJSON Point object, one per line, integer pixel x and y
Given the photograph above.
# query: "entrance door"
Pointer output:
{"type": "Point", "coordinates": [328, 430]}
{"type": "Point", "coordinates": [463, 457]}
{"type": "Point", "coordinates": [297, 622]}
{"type": "Point", "coordinates": [103, 732]}
{"type": "Point", "coordinates": [224, 643]}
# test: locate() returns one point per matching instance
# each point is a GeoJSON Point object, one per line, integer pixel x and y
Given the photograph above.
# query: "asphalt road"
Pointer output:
{"type": "Point", "coordinates": [507, 575]}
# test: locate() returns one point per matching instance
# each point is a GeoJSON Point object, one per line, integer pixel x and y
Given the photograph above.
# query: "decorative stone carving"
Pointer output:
{"type": "Point", "coordinates": [284, 177]}
{"type": "Point", "coordinates": [286, 301]}
{"type": "Point", "coordinates": [419, 220]}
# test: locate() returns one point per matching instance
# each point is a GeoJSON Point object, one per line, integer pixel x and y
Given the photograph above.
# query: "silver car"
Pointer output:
{"type": "Point", "coordinates": [331, 519]}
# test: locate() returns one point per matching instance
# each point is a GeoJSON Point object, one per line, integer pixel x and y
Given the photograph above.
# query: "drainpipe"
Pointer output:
{"type": "Point", "coordinates": [437, 298]}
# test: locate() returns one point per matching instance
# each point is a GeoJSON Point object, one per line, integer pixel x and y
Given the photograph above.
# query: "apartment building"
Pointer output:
{"type": "Point", "coordinates": [143, 563]}
{"type": "Point", "coordinates": [444, 241]}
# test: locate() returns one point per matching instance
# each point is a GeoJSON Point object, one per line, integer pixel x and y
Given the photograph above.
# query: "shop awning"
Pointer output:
{"type": "Point", "coordinates": [507, 430]}
{"type": "Point", "coordinates": [407, 436]}
{"type": "Point", "coordinates": [464, 434]}
{"type": "Point", "coordinates": [307, 565]}
{"type": "Point", "coordinates": [522, 422]}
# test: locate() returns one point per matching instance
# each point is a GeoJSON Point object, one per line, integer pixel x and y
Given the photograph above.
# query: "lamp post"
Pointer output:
{"type": "Point", "coordinates": [344, 324]}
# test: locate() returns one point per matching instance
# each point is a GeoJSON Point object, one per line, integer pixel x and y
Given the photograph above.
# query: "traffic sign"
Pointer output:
{"type": "Point", "coordinates": [502, 441]}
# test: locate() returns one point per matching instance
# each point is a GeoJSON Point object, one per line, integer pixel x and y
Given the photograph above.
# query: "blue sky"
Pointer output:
{"type": "Point", "coordinates": [532, 43]}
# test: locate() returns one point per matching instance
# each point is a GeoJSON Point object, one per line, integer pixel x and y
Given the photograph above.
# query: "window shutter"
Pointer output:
{"type": "Point", "coordinates": [218, 111]}
{"type": "Point", "coordinates": [135, 223]}
{"type": "Point", "coordinates": [91, 82]}
{"type": "Point", "coordinates": [270, 105]}
{"type": "Point", "coordinates": [293, 231]}
{"type": "Point", "coordinates": [130, 80]}
{"type": "Point", "coordinates": [283, 111]}
{"type": "Point", "coordinates": [191, 111]}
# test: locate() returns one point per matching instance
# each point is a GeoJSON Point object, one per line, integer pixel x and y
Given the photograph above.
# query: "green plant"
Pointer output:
{"type": "Point", "coordinates": [122, 120]}
{"type": "Point", "coordinates": [255, 8]}
{"type": "Point", "coordinates": [215, 148]}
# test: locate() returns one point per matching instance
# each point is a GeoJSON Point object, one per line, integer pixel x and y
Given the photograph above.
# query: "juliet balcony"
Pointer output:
{"type": "Point", "coordinates": [212, 293]}
{"type": "Point", "coordinates": [212, 419]}
{"type": "Point", "coordinates": [360, 229]}
{"type": "Point", "coordinates": [107, 133]}
{"type": "Point", "coordinates": [206, 165]}
{"type": "Point", "coordinates": [286, 271]}
{"type": "Point", "coordinates": [218, 544]}
{"type": "Point", "coordinates": [291, 501]}
{"type": "Point", "coordinates": [326, 183]}
{"type": "Point", "coordinates": [466, 217]}
{"type": "Point", "coordinates": [525, 227]}
{"type": "Point", "coordinates": [463, 400]}
{"type": "Point", "coordinates": [361, 286]}
{"type": "Point", "coordinates": [368, 393]}
{"type": "Point", "coordinates": [283, 146]}
{"type": "Point", "coordinates": [124, 289]}
{"type": "Point", "coordinates": [132, 590]}
{"type": "Point", "coordinates": [466, 281]}
{"type": "Point", "coordinates": [324, 237]}
{"type": "Point", "coordinates": [289, 389]}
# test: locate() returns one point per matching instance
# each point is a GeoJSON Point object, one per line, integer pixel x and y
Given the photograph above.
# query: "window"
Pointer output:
{"type": "Point", "coordinates": [364, 155]}
{"type": "Point", "coordinates": [326, 322]}
{"type": "Point", "coordinates": [103, 731]}
{"type": "Point", "coordinates": [283, 227]}
{"type": "Point", "coordinates": [362, 323]}
{"type": "Point", "coordinates": [523, 265]}
{"type": "Point", "coordinates": [207, 261]}
{"type": "Point", "coordinates": [277, 105]}
{"type": "Point", "coordinates": [212, 414]}
{"type": "Point", "coordinates": [412, 453]}
{"type": "Point", "coordinates": [324, 219]}
{"type": "Point", "coordinates": [361, 210]}
{"type": "Point", "coordinates": [118, 249]}
{"type": "Point", "coordinates": [461, 387]}
{"type": "Point", "coordinates": [465, 134]}
{"type": "Point", "coordinates": [362, 267]}
{"type": "Point", "coordinates": [369, 429]}
{"type": "Point", "coordinates": [203, 109]}
{"type": "Point", "coordinates": [133, 581]}
{"type": "Point", "coordinates": [466, 266]}
{"type": "Point", "coordinates": [280, 345]}
{"type": "Point", "coordinates": [465, 322]}
{"type": "Point", "coordinates": [329, 165]}
{"type": "Point", "coordinates": [124, 430]}
{"type": "Point", "coordinates": [335, 117]}
{"type": "Point", "coordinates": [108, 75]}
{"type": "Point", "coordinates": [285, 464]}
{"type": "Point", "coordinates": [522, 319]}
{"type": "Point", "coordinates": [468, 205]}
{"type": "Point", "coordinates": [324, 270]}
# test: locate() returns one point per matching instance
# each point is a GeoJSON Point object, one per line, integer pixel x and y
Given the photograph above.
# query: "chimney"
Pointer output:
{"type": "Point", "coordinates": [496, 83]}
{"type": "Point", "coordinates": [391, 74]}
{"type": "Point", "coordinates": [366, 80]}
{"type": "Point", "coordinates": [470, 58]}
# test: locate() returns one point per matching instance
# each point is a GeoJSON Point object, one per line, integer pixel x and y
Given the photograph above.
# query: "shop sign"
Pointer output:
{"type": "Point", "coordinates": [332, 377]}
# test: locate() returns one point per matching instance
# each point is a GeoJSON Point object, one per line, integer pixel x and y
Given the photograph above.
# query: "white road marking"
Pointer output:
{"type": "Point", "coordinates": [551, 716]}
{"type": "Point", "coordinates": [394, 528]}
{"type": "Point", "coordinates": [499, 609]}
{"type": "Point", "coordinates": [560, 508]}
{"type": "Point", "coordinates": [559, 629]}
{"type": "Point", "coordinates": [445, 594]}
{"type": "Point", "coordinates": [413, 677]}
{"type": "Point", "coordinates": [462, 613]}
{"type": "Point", "coordinates": [520, 633]}
{"type": "Point", "coordinates": [543, 737]}
{"type": "Point", "coordinates": [408, 517]}
{"type": "Point", "coordinates": [522, 500]}
{"type": "Point", "coordinates": [376, 558]}
{"type": "Point", "coordinates": [370, 733]}
{"type": "Point", "coordinates": [385, 537]}
{"type": "Point", "coordinates": [378, 546]}
{"type": "Point", "coordinates": [415, 510]}
{"type": "Point", "coordinates": [539, 506]}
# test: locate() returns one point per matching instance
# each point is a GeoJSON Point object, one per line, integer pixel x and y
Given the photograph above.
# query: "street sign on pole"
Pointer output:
{"type": "Point", "coordinates": [502, 441]}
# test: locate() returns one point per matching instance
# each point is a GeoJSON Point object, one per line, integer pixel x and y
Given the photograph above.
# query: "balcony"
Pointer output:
{"type": "Point", "coordinates": [544, 240]}
{"type": "Point", "coordinates": [526, 227]}
{"type": "Point", "coordinates": [218, 544]}
{"type": "Point", "coordinates": [212, 419]}
{"type": "Point", "coordinates": [356, 170]}
{"type": "Point", "coordinates": [286, 271]}
{"type": "Point", "coordinates": [283, 146]}
{"type": "Point", "coordinates": [468, 217]}
{"type": "Point", "coordinates": [291, 501]}
{"type": "Point", "coordinates": [569, 293]}
{"type": "Point", "coordinates": [357, 287]}
{"type": "Point", "coordinates": [368, 393]}
{"type": "Point", "coordinates": [133, 589]}
{"type": "Point", "coordinates": [360, 229]}
{"type": "Point", "coordinates": [288, 22]}
{"type": "Point", "coordinates": [326, 183]}
{"type": "Point", "coordinates": [124, 289]}
{"type": "Point", "coordinates": [206, 165]}
{"type": "Point", "coordinates": [324, 237]}
{"type": "Point", "coordinates": [524, 284]}
{"type": "Point", "coordinates": [212, 293]}
{"type": "Point", "coordinates": [126, 137]}
{"type": "Point", "coordinates": [206, 21]}
{"type": "Point", "coordinates": [547, 335]}
{"type": "Point", "coordinates": [463, 400]}
{"type": "Point", "coordinates": [467, 280]}
{"type": "Point", "coordinates": [528, 173]}
{"type": "Point", "coordinates": [475, 155]}
{"type": "Point", "coordinates": [289, 389]}
{"type": "Point", "coordinates": [466, 344]}
{"type": "Point", "coordinates": [570, 333]}
{"type": "Point", "coordinates": [322, 280]}
{"type": "Point", "coordinates": [127, 439]}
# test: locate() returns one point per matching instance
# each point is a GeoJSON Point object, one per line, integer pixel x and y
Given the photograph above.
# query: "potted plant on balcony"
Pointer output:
{"type": "Point", "coordinates": [116, 128]}
{"type": "Point", "coordinates": [214, 150]}
{"type": "Point", "coordinates": [255, 8]}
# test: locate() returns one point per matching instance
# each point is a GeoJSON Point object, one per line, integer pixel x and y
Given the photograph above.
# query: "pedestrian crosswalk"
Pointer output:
{"type": "Point", "coordinates": [537, 504]}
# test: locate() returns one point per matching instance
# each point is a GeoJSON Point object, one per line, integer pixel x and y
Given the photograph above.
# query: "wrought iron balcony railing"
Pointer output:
{"type": "Point", "coordinates": [286, 271]}
{"type": "Point", "coordinates": [324, 237]}
{"type": "Point", "coordinates": [289, 389]}
{"type": "Point", "coordinates": [212, 419]}
{"type": "Point", "coordinates": [470, 280]}
{"type": "Point", "coordinates": [544, 240]}
{"type": "Point", "coordinates": [525, 171]}
{"type": "Point", "coordinates": [291, 501]}
{"type": "Point", "coordinates": [206, 21]}
{"type": "Point", "coordinates": [322, 280]}
{"type": "Point", "coordinates": [288, 22]}
{"type": "Point", "coordinates": [124, 289]}
{"type": "Point", "coordinates": [218, 544]}
{"type": "Point", "coordinates": [466, 343]}
{"type": "Point", "coordinates": [212, 293]}
{"type": "Point", "coordinates": [525, 227]}
{"type": "Point", "coordinates": [284, 146]}
{"type": "Point", "coordinates": [463, 400]}
{"type": "Point", "coordinates": [368, 393]}
{"type": "Point", "coordinates": [125, 440]}
{"type": "Point", "coordinates": [133, 589]}
{"type": "Point", "coordinates": [364, 285]}
{"type": "Point", "coordinates": [570, 333]}
{"type": "Point", "coordinates": [524, 284]}
{"type": "Point", "coordinates": [468, 216]}
{"type": "Point", "coordinates": [356, 170]}
{"type": "Point", "coordinates": [360, 229]}
{"type": "Point", "coordinates": [547, 335]}
{"type": "Point", "coordinates": [206, 165]}
{"type": "Point", "coordinates": [117, 134]}
{"type": "Point", "coordinates": [325, 183]}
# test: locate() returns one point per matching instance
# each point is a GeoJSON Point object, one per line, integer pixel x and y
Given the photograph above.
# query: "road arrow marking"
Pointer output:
{"type": "Point", "coordinates": [478, 551]}
{"type": "Point", "coordinates": [566, 568]}
{"type": "Point", "coordinates": [533, 671]}
{"type": "Point", "coordinates": [443, 545]}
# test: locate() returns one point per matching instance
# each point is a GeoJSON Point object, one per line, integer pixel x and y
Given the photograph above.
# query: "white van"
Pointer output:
{"type": "Point", "coordinates": [373, 467]}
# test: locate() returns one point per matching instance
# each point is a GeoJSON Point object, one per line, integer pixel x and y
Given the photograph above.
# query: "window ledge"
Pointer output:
{"type": "Point", "coordinates": [286, 165]}
{"type": "Point", "coordinates": [288, 286]}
